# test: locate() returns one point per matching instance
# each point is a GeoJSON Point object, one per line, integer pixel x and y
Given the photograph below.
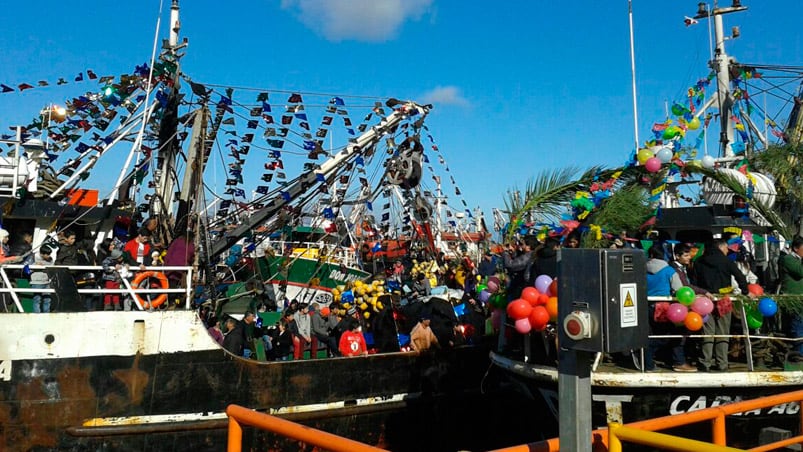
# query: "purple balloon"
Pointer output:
{"type": "Point", "coordinates": [676, 313]}
{"type": "Point", "coordinates": [702, 306]}
{"type": "Point", "coordinates": [705, 318]}
{"type": "Point", "coordinates": [484, 296]}
{"type": "Point", "coordinates": [542, 283]}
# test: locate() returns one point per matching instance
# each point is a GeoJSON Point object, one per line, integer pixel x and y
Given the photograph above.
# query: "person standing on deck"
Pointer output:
{"type": "Point", "coordinates": [714, 271]}
{"type": "Point", "coordinates": [422, 338]}
{"type": "Point", "coordinates": [352, 342]}
{"type": "Point", "coordinates": [790, 267]}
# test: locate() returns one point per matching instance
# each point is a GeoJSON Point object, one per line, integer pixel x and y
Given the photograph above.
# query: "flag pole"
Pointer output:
{"type": "Point", "coordinates": [633, 71]}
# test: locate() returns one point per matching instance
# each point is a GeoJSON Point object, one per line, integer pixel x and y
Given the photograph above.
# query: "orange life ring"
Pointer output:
{"type": "Point", "coordinates": [158, 301]}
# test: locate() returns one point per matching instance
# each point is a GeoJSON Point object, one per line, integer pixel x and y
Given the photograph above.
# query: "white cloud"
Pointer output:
{"type": "Point", "coordinates": [362, 20]}
{"type": "Point", "coordinates": [445, 95]}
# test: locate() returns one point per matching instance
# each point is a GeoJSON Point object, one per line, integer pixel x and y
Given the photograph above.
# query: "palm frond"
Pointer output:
{"type": "Point", "coordinates": [548, 194]}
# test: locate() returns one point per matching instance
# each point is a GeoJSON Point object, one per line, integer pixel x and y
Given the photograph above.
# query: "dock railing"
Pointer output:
{"type": "Point", "coordinates": [240, 416]}
{"type": "Point", "coordinates": [639, 432]}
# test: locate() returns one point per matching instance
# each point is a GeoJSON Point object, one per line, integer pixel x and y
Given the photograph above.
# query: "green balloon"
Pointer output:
{"type": "Point", "coordinates": [685, 295]}
{"type": "Point", "coordinates": [754, 319]}
{"type": "Point", "coordinates": [498, 300]}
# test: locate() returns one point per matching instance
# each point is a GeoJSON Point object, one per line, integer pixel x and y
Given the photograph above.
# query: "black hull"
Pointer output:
{"type": "Point", "coordinates": [48, 404]}
{"type": "Point", "coordinates": [612, 398]}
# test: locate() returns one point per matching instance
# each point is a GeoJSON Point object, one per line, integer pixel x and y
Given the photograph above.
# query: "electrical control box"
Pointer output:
{"type": "Point", "coordinates": [602, 299]}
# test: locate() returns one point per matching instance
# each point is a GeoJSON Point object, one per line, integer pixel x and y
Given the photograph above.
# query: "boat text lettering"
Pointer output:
{"type": "Point", "coordinates": [5, 370]}
{"type": "Point", "coordinates": [685, 404]}
{"type": "Point", "coordinates": [338, 275]}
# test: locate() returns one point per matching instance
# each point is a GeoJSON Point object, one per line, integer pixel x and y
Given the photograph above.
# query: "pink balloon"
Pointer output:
{"type": "Point", "coordinates": [677, 313]}
{"type": "Point", "coordinates": [523, 325]}
{"type": "Point", "coordinates": [493, 284]}
{"type": "Point", "coordinates": [542, 283]}
{"type": "Point", "coordinates": [702, 306]}
{"type": "Point", "coordinates": [653, 164]}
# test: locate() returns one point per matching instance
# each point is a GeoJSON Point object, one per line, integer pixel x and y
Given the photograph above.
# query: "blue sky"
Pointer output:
{"type": "Point", "coordinates": [519, 87]}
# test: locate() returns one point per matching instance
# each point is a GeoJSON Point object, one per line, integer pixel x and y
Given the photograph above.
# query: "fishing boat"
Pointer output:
{"type": "Point", "coordinates": [152, 377]}
{"type": "Point", "coordinates": [693, 209]}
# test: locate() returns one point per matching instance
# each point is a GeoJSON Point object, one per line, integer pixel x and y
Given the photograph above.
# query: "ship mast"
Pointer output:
{"type": "Point", "coordinates": [721, 63]}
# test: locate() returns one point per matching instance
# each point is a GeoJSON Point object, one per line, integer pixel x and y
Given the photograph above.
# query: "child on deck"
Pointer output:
{"type": "Point", "coordinates": [112, 279]}
{"type": "Point", "coordinates": [40, 280]}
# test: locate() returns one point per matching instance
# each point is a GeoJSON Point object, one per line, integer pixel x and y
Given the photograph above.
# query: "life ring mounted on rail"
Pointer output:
{"type": "Point", "coordinates": [159, 276]}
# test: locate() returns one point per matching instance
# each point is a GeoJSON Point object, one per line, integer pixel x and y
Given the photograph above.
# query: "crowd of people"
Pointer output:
{"type": "Point", "coordinates": [120, 256]}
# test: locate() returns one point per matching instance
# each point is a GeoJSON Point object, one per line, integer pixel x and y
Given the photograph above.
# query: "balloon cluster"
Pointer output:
{"type": "Point", "coordinates": [537, 306]}
{"type": "Point", "coordinates": [755, 311]}
{"type": "Point", "coordinates": [360, 295]}
{"type": "Point", "coordinates": [690, 310]}
{"type": "Point", "coordinates": [428, 268]}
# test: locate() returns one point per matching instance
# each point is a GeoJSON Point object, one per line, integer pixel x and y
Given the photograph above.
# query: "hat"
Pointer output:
{"type": "Point", "coordinates": [425, 317]}
{"type": "Point", "coordinates": [3, 233]}
{"type": "Point", "coordinates": [116, 254]}
{"type": "Point", "coordinates": [352, 310]}
{"type": "Point", "coordinates": [44, 249]}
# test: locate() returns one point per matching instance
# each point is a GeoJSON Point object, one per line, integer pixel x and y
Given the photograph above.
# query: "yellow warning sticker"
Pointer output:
{"type": "Point", "coordinates": [628, 308]}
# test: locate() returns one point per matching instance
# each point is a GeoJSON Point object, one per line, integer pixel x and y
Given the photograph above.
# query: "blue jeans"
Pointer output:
{"type": "Point", "coordinates": [41, 301]}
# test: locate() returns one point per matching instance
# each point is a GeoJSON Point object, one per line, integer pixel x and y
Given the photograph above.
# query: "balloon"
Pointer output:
{"type": "Point", "coordinates": [498, 300]}
{"type": "Point", "coordinates": [530, 295]}
{"type": "Point", "coordinates": [653, 165]}
{"type": "Point", "coordinates": [694, 124]}
{"type": "Point", "coordinates": [485, 296]}
{"type": "Point", "coordinates": [754, 319]}
{"type": "Point", "coordinates": [693, 321]}
{"type": "Point", "coordinates": [496, 319]}
{"type": "Point", "coordinates": [518, 309]}
{"type": "Point", "coordinates": [542, 283]}
{"type": "Point", "coordinates": [708, 162]}
{"type": "Point", "coordinates": [702, 306]}
{"type": "Point", "coordinates": [553, 288]}
{"type": "Point", "coordinates": [542, 299]}
{"type": "Point", "coordinates": [755, 289]}
{"type": "Point", "coordinates": [643, 155]}
{"type": "Point", "coordinates": [677, 313]}
{"type": "Point", "coordinates": [672, 132]}
{"type": "Point", "coordinates": [767, 307]}
{"type": "Point", "coordinates": [678, 109]}
{"type": "Point", "coordinates": [539, 317]}
{"type": "Point", "coordinates": [493, 284]}
{"type": "Point", "coordinates": [481, 287]}
{"type": "Point", "coordinates": [552, 308]}
{"type": "Point", "coordinates": [706, 318]}
{"type": "Point", "coordinates": [685, 295]}
{"type": "Point", "coordinates": [523, 326]}
{"type": "Point", "coordinates": [347, 297]}
{"type": "Point", "coordinates": [665, 155]}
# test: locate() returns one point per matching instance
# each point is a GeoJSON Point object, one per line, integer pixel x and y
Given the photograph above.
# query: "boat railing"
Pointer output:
{"type": "Point", "coordinates": [14, 291]}
{"type": "Point", "coordinates": [746, 336]}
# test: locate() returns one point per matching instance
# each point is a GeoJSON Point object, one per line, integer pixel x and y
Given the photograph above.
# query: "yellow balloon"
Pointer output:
{"type": "Point", "coordinates": [363, 306]}
{"type": "Point", "coordinates": [379, 305]}
{"type": "Point", "coordinates": [643, 155]}
{"type": "Point", "coordinates": [367, 314]}
{"type": "Point", "coordinates": [694, 124]}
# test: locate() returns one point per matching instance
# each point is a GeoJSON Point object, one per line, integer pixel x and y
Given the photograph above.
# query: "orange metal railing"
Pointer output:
{"type": "Point", "coordinates": [239, 416]}
{"type": "Point", "coordinates": [715, 415]}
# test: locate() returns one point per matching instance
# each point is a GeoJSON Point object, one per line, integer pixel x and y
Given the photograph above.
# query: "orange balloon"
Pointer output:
{"type": "Point", "coordinates": [755, 289]}
{"type": "Point", "coordinates": [553, 288]}
{"type": "Point", "coordinates": [530, 295]}
{"type": "Point", "coordinates": [552, 308]}
{"type": "Point", "coordinates": [693, 321]}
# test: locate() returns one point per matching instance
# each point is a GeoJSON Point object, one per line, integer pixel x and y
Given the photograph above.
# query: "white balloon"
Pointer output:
{"type": "Point", "coordinates": [708, 162]}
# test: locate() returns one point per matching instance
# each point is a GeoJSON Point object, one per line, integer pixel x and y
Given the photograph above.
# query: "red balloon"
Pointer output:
{"type": "Point", "coordinates": [553, 288]}
{"type": "Point", "coordinates": [539, 317]}
{"type": "Point", "coordinates": [518, 309]}
{"type": "Point", "coordinates": [530, 295]}
{"type": "Point", "coordinates": [755, 289]}
{"type": "Point", "coordinates": [542, 299]}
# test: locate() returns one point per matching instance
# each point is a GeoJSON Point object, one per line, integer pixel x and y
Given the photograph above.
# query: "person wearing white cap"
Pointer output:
{"type": "Point", "coordinates": [4, 253]}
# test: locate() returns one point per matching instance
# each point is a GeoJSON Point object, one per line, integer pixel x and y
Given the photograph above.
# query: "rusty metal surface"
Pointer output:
{"type": "Point", "coordinates": [45, 398]}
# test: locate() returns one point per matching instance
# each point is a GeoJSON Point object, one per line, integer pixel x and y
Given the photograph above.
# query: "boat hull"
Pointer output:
{"type": "Point", "coordinates": [82, 397]}
{"type": "Point", "coordinates": [628, 396]}
{"type": "Point", "coordinates": [305, 279]}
